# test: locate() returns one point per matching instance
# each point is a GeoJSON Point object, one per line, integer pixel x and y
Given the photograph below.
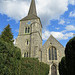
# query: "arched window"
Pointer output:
{"type": "Point", "coordinates": [53, 70]}
{"type": "Point", "coordinates": [25, 30]}
{"type": "Point", "coordinates": [49, 54]}
{"type": "Point", "coordinates": [52, 53]}
{"type": "Point", "coordinates": [27, 54]}
{"type": "Point", "coordinates": [55, 54]}
{"type": "Point", "coordinates": [24, 54]}
{"type": "Point", "coordinates": [28, 29]}
{"type": "Point", "coordinates": [27, 42]}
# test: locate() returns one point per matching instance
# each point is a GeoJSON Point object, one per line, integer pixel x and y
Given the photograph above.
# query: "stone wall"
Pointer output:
{"type": "Point", "coordinates": [34, 38]}
{"type": "Point", "coordinates": [60, 52]}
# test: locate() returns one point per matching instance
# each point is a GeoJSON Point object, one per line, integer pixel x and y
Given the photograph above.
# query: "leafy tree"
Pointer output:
{"type": "Point", "coordinates": [70, 56]}
{"type": "Point", "coordinates": [7, 35]}
{"type": "Point", "coordinates": [62, 67]}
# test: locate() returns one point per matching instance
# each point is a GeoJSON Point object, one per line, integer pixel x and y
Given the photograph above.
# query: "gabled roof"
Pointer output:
{"type": "Point", "coordinates": [51, 39]}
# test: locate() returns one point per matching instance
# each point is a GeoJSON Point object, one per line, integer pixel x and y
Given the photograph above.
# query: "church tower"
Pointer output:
{"type": "Point", "coordinates": [29, 39]}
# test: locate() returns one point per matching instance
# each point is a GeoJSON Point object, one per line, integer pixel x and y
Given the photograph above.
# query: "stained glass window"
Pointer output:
{"type": "Point", "coordinates": [55, 55]}
{"type": "Point", "coordinates": [52, 53]}
{"type": "Point", "coordinates": [49, 54]}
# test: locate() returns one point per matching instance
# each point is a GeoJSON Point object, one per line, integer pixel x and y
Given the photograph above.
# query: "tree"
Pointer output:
{"type": "Point", "coordinates": [10, 56]}
{"type": "Point", "coordinates": [10, 59]}
{"type": "Point", "coordinates": [62, 67]}
{"type": "Point", "coordinates": [70, 56]}
{"type": "Point", "coordinates": [7, 35]}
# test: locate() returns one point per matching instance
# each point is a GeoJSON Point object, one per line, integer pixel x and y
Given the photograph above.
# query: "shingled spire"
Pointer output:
{"type": "Point", "coordinates": [32, 9]}
{"type": "Point", "coordinates": [32, 12]}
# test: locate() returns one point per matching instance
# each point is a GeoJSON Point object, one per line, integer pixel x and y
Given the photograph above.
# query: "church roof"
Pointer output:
{"type": "Point", "coordinates": [32, 12]}
{"type": "Point", "coordinates": [52, 39]}
{"type": "Point", "coordinates": [29, 17]}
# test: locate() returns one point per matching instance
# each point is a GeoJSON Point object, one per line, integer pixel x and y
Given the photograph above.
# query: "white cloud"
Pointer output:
{"type": "Point", "coordinates": [47, 9]}
{"type": "Point", "coordinates": [72, 2]}
{"type": "Point", "coordinates": [57, 28]}
{"type": "Point", "coordinates": [57, 35]}
{"type": "Point", "coordinates": [70, 28]}
{"type": "Point", "coordinates": [14, 9]}
{"type": "Point", "coordinates": [72, 14]}
{"type": "Point", "coordinates": [46, 35]}
{"type": "Point", "coordinates": [61, 22]}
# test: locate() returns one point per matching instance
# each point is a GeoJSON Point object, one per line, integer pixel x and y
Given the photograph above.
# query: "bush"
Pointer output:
{"type": "Point", "coordinates": [31, 66]}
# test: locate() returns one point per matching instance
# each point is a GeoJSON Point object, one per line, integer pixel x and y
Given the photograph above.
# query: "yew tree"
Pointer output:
{"type": "Point", "coordinates": [7, 35]}
{"type": "Point", "coordinates": [70, 56]}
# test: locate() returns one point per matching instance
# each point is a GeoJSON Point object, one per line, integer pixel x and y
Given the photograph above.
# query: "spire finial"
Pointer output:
{"type": "Point", "coordinates": [32, 9]}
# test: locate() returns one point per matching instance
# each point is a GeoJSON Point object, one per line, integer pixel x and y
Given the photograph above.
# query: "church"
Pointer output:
{"type": "Point", "coordinates": [29, 40]}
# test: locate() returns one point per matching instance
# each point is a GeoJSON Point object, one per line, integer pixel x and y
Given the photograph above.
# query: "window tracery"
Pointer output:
{"type": "Point", "coordinates": [52, 53]}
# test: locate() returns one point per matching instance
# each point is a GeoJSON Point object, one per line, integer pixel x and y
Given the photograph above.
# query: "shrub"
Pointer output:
{"type": "Point", "coordinates": [31, 66]}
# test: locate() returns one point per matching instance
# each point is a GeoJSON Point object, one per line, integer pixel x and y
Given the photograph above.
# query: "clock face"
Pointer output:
{"type": "Point", "coordinates": [29, 22]}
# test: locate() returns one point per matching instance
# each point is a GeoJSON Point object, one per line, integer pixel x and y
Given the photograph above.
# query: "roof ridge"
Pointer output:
{"type": "Point", "coordinates": [54, 38]}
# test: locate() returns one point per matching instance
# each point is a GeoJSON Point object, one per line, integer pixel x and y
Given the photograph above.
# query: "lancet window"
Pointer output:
{"type": "Point", "coordinates": [27, 30]}
{"type": "Point", "coordinates": [27, 42]}
{"type": "Point", "coordinates": [26, 54]}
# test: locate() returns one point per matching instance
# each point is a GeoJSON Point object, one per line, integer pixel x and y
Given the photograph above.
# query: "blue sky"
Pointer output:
{"type": "Point", "coordinates": [57, 17]}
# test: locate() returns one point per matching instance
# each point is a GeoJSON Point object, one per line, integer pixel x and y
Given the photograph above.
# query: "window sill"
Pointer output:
{"type": "Point", "coordinates": [27, 33]}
